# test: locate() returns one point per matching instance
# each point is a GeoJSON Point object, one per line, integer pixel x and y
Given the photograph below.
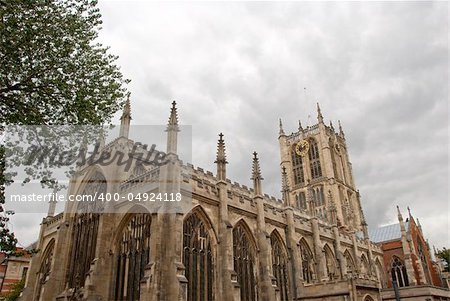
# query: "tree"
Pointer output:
{"type": "Point", "coordinates": [53, 71]}
{"type": "Point", "coordinates": [444, 254]}
{"type": "Point", "coordinates": [15, 291]}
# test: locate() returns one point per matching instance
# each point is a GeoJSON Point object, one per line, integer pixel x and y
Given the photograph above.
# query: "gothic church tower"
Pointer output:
{"type": "Point", "coordinates": [320, 174]}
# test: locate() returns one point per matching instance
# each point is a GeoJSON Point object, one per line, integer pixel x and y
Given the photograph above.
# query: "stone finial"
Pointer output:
{"type": "Point", "coordinates": [256, 174]}
{"type": "Point", "coordinates": [125, 119]}
{"type": "Point", "coordinates": [281, 132]}
{"type": "Point", "coordinates": [173, 118]}
{"type": "Point", "coordinates": [319, 114]}
{"type": "Point", "coordinates": [341, 131]}
{"type": "Point", "coordinates": [52, 203]}
{"type": "Point", "coordinates": [300, 127]}
{"type": "Point", "coordinates": [312, 205]}
{"type": "Point", "coordinates": [285, 186]}
{"type": "Point", "coordinates": [399, 215]}
{"type": "Point", "coordinates": [331, 126]}
{"type": "Point", "coordinates": [332, 208]}
{"type": "Point", "coordinates": [127, 108]}
{"type": "Point", "coordinates": [172, 130]}
{"type": "Point", "coordinates": [221, 159]}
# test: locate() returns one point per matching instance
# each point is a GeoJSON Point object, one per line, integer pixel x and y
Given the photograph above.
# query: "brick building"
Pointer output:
{"type": "Point", "coordinates": [410, 271]}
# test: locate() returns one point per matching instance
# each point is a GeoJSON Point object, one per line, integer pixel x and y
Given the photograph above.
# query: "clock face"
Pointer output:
{"type": "Point", "coordinates": [302, 148]}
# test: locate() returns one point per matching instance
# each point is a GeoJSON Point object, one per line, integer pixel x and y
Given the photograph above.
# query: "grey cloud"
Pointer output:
{"type": "Point", "coordinates": [236, 68]}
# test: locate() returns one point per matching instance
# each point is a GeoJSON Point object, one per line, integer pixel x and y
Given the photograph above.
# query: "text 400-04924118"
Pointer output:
{"type": "Point", "coordinates": [155, 197]}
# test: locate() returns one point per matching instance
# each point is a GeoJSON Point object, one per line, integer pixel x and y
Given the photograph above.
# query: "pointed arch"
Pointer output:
{"type": "Point", "coordinates": [307, 261]}
{"type": "Point", "coordinates": [85, 224]}
{"type": "Point", "coordinates": [398, 272]}
{"type": "Point", "coordinates": [201, 213]}
{"type": "Point", "coordinates": [349, 262]}
{"type": "Point", "coordinates": [244, 260]}
{"type": "Point", "coordinates": [330, 262]}
{"type": "Point", "coordinates": [45, 268]}
{"type": "Point", "coordinates": [132, 245]}
{"type": "Point", "coordinates": [280, 265]}
{"type": "Point", "coordinates": [198, 259]}
{"type": "Point", "coordinates": [368, 298]}
{"type": "Point", "coordinates": [243, 223]}
{"type": "Point", "coordinates": [380, 273]}
{"type": "Point", "coordinates": [364, 265]}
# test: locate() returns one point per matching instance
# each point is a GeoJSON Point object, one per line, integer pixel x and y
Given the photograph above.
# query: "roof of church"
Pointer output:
{"type": "Point", "coordinates": [387, 233]}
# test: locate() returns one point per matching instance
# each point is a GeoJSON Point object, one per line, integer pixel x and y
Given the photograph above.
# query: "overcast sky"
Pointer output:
{"type": "Point", "coordinates": [381, 68]}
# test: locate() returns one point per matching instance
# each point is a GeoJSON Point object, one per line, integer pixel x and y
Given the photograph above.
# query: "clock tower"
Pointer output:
{"type": "Point", "coordinates": [320, 174]}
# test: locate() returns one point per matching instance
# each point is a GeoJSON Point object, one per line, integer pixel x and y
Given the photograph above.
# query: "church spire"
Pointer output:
{"type": "Point", "coordinates": [256, 175]}
{"type": "Point", "coordinates": [221, 159]}
{"type": "Point", "coordinates": [319, 114]}
{"type": "Point", "coordinates": [172, 130]}
{"type": "Point", "coordinates": [300, 127]}
{"type": "Point", "coordinates": [281, 132]}
{"type": "Point", "coordinates": [285, 187]}
{"type": "Point", "coordinates": [125, 119]}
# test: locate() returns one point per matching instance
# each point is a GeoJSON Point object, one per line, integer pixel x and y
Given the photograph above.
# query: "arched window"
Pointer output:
{"type": "Point", "coordinates": [314, 160]}
{"type": "Point", "coordinates": [44, 270]}
{"type": "Point", "coordinates": [318, 196]}
{"type": "Point", "coordinates": [330, 262]}
{"type": "Point", "coordinates": [244, 263]}
{"type": "Point", "coordinates": [132, 256]}
{"type": "Point", "coordinates": [350, 264]}
{"type": "Point", "coordinates": [197, 259]}
{"type": "Point", "coordinates": [301, 200]}
{"type": "Point", "coordinates": [307, 262]}
{"type": "Point", "coordinates": [297, 162]}
{"type": "Point", "coordinates": [398, 272]}
{"type": "Point", "coordinates": [279, 266]}
{"type": "Point", "coordinates": [84, 231]}
{"type": "Point", "coordinates": [368, 298]}
{"type": "Point", "coordinates": [364, 265]}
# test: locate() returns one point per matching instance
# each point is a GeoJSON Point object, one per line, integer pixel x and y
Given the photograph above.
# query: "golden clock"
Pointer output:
{"type": "Point", "coordinates": [302, 148]}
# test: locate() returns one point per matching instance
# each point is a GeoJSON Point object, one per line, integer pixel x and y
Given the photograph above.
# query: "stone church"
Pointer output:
{"type": "Point", "coordinates": [235, 243]}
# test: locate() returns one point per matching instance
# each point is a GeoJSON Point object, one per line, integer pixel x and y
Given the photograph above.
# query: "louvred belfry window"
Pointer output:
{"type": "Point", "coordinates": [198, 260]}
{"type": "Point", "coordinates": [297, 162]}
{"type": "Point", "coordinates": [84, 231]}
{"type": "Point", "coordinates": [244, 263]}
{"type": "Point", "coordinates": [314, 160]}
{"type": "Point", "coordinates": [133, 255]}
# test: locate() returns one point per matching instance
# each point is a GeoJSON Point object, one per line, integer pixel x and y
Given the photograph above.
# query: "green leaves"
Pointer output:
{"type": "Point", "coordinates": [52, 70]}
{"type": "Point", "coordinates": [444, 254]}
